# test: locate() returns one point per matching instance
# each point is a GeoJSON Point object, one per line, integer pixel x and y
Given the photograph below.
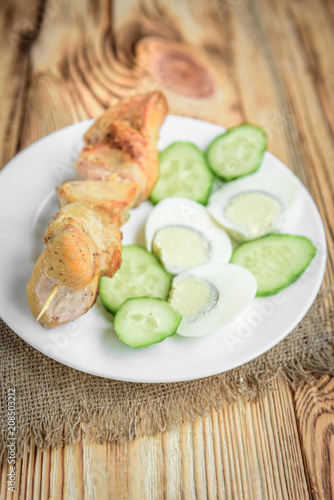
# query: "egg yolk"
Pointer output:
{"type": "Point", "coordinates": [192, 297]}
{"type": "Point", "coordinates": [254, 212]}
{"type": "Point", "coordinates": [180, 248]}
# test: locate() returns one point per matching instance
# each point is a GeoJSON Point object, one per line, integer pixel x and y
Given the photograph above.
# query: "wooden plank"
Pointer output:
{"type": "Point", "coordinates": [19, 25]}
{"type": "Point", "coordinates": [259, 89]}
{"type": "Point", "coordinates": [315, 413]}
{"type": "Point", "coordinates": [169, 45]}
{"type": "Point", "coordinates": [308, 134]}
{"type": "Point", "coordinates": [74, 486]}
{"type": "Point", "coordinates": [95, 470]}
{"type": "Point", "coordinates": [45, 474]}
{"type": "Point", "coordinates": [80, 75]}
{"type": "Point", "coordinates": [246, 450]}
{"type": "Point", "coordinates": [56, 473]}
{"type": "Point", "coordinates": [73, 73]}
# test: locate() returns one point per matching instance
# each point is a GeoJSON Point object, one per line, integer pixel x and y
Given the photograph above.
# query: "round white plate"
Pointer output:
{"type": "Point", "coordinates": [27, 203]}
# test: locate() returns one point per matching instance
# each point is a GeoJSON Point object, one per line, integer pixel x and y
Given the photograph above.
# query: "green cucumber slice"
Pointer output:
{"type": "Point", "coordinates": [276, 260]}
{"type": "Point", "coordinates": [143, 321]}
{"type": "Point", "coordinates": [237, 152]}
{"type": "Point", "coordinates": [183, 172]}
{"type": "Point", "coordinates": [140, 274]}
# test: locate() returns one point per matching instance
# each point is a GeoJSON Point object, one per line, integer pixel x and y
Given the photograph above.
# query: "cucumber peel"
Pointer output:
{"type": "Point", "coordinates": [143, 321]}
{"type": "Point", "coordinates": [276, 260]}
{"type": "Point", "coordinates": [237, 152]}
{"type": "Point", "coordinates": [140, 274]}
{"type": "Point", "coordinates": [183, 172]}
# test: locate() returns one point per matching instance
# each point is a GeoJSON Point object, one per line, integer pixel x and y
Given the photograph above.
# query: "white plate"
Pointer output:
{"type": "Point", "coordinates": [27, 202]}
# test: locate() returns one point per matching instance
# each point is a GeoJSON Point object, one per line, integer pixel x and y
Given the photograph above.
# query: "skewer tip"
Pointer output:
{"type": "Point", "coordinates": [48, 301]}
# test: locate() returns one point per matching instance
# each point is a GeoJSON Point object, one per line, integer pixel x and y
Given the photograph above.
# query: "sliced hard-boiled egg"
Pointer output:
{"type": "Point", "coordinates": [255, 205]}
{"type": "Point", "coordinates": [211, 296]}
{"type": "Point", "coordinates": [182, 235]}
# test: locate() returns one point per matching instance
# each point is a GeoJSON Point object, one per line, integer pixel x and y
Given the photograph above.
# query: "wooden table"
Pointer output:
{"type": "Point", "coordinates": [267, 62]}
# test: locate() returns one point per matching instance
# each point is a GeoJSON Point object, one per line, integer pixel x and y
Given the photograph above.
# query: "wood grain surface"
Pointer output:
{"type": "Point", "coordinates": [267, 62]}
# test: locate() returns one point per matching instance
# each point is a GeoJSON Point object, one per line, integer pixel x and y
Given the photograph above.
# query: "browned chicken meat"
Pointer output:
{"type": "Point", "coordinates": [124, 141]}
{"type": "Point", "coordinates": [83, 243]}
{"type": "Point", "coordinates": [101, 225]}
{"type": "Point", "coordinates": [114, 194]}
{"type": "Point", "coordinates": [71, 262]}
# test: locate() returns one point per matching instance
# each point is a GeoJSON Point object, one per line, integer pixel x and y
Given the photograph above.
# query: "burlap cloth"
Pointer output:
{"type": "Point", "coordinates": [52, 400]}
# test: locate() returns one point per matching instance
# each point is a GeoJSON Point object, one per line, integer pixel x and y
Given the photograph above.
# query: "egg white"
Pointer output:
{"type": "Point", "coordinates": [177, 211]}
{"type": "Point", "coordinates": [281, 186]}
{"type": "Point", "coordinates": [236, 288]}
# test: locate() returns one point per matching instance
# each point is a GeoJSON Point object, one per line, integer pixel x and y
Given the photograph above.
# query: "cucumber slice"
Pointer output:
{"type": "Point", "coordinates": [276, 260]}
{"type": "Point", "coordinates": [140, 274]}
{"type": "Point", "coordinates": [183, 172]}
{"type": "Point", "coordinates": [144, 321]}
{"type": "Point", "coordinates": [237, 152]}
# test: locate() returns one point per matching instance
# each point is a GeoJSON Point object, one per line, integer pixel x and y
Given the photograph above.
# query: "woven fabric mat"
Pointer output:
{"type": "Point", "coordinates": [53, 400]}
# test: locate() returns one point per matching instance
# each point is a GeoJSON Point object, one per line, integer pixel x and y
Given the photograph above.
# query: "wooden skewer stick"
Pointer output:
{"type": "Point", "coordinates": [48, 301]}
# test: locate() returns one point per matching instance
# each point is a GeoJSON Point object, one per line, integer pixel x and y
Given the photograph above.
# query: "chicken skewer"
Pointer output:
{"type": "Point", "coordinates": [120, 163]}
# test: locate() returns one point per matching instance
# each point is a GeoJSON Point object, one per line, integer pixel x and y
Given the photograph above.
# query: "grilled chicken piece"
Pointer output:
{"type": "Point", "coordinates": [72, 258]}
{"type": "Point", "coordinates": [114, 195]}
{"type": "Point", "coordinates": [124, 141]}
{"type": "Point", "coordinates": [143, 113]}
{"type": "Point", "coordinates": [71, 262]}
{"type": "Point", "coordinates": [99, 224]}
{"type": "Point", "coordinates": [83, 243]}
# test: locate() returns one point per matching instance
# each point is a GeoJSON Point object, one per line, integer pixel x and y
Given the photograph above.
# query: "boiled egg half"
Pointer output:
{"type": "Point", "coordinates": [181, 233]}
{"type": "Point", "coordinates": [211, 296]}
{"type": "Point", "coordinates": [255, 205]}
